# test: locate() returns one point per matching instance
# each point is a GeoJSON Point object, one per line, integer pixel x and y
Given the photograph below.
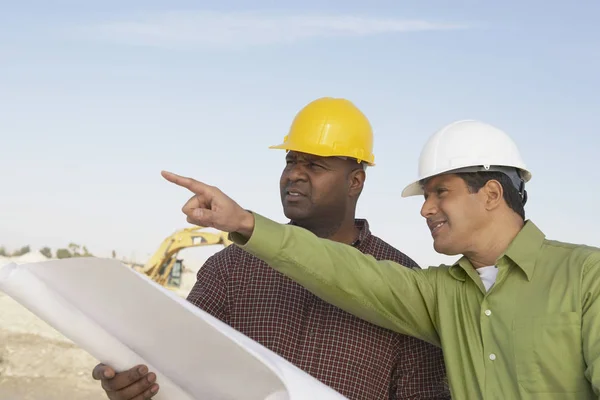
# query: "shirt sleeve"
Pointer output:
{"type": "Point", "coordinates": [420, 372]}
{"type": "Point", "coordinates": [210, 290]}
{"type": "Point", "coordinates": [590, 324]}
{"type": "Point", "coordinates": [397, 298]}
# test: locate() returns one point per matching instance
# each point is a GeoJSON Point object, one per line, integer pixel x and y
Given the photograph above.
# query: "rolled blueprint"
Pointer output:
{"type": "Point", "coordinates": [122, 318]}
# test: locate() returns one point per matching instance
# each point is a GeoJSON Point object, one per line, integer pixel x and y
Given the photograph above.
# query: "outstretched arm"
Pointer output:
{"type": "Point", "coordinates": [381, 292]}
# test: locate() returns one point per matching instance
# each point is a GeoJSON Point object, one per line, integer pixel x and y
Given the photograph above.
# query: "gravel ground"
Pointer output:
{"type": "Point", "coordinates": [38, 363]}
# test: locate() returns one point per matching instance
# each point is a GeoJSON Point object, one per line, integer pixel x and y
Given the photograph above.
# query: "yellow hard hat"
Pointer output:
{"type": "Point", "coordinates": [331, 127]}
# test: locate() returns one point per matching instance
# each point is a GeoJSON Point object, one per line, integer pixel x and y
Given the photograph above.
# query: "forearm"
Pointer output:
{"type": "Point", "coordinates": [381, 292]}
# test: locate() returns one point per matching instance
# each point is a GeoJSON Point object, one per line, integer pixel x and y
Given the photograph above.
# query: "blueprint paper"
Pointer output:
{"type": "Point", "coordinates": [122, 318]}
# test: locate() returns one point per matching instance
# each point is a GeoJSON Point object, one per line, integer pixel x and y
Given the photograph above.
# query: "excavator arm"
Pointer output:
{"type": "Point", "coordinates": [160, 266]}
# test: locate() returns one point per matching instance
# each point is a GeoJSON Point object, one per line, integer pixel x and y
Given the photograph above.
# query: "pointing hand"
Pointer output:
{"type": "Point", "coordinates": [212, 208]}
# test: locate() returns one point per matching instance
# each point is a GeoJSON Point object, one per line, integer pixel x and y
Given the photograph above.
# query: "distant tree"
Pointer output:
{"type": "Point", "coordinates": [86, 253]}
{"type": "Point", "coordinates": [3, 252]}
{"type": "Point", "coordinates": [74, 249]}
{"type": "Point", "coordinates": [21, 251]}
{"type": "Point", "coordinates": [46, 251]}
{"type": "Point", "coordinates": [114, 254]}
{"type": "Point", "coordinates": [63, 253]}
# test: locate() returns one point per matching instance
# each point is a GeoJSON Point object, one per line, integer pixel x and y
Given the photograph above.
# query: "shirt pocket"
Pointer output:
{"type": "Point", "coordinates": [548, 353]}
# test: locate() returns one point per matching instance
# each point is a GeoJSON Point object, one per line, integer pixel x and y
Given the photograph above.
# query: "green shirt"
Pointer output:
{"type": "Point", "coordinates": [534, 335]}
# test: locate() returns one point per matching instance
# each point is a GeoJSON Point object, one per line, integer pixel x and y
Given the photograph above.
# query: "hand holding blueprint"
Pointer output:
{"type": "Point", "coordinates": [122, 318]}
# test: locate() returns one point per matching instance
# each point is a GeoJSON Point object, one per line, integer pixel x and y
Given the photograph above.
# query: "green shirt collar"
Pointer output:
{"type": "Point", "coordinates": [522, 251]}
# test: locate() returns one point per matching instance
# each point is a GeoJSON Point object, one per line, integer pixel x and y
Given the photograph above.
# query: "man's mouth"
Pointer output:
{"type": "Point", "coordinates": [294, 193]}
{"type": "Point", "coordinates": [436, 226]}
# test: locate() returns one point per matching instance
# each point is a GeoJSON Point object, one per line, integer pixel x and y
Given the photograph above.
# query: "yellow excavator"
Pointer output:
{"type": "Point", "coordinates": [165, 268]}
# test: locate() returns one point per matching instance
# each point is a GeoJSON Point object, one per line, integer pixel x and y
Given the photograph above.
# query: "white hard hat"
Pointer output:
{"type": "Point", "coordinates": [468, 146]}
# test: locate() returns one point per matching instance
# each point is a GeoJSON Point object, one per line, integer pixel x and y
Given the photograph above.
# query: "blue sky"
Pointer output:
{"type": "Point", "coordinates": [97, 97]}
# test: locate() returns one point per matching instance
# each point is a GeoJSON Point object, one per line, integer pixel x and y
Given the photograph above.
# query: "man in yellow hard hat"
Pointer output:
{"type": "Point", "coordinates": [518, 315]}
{"type": "Point", "coordinates": [328, 146]}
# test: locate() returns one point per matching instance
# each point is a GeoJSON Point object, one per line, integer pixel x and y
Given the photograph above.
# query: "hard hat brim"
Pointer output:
{"type": "Point", "coordinates": [325, 153]}
{"type": "Point", "coordinates": [282, 146]}
{"type": "Point", "coordinates": [415, 188]}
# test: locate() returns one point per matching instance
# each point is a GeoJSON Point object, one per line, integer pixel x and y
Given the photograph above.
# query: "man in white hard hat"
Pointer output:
{"type": "Point", "coordinates": [518, 316]}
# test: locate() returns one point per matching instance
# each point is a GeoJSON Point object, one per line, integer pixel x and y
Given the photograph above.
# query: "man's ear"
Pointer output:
{"type": "Point", "coordinates": [356, 182]}
{"type": "Point", "coordinates": [494, 194]}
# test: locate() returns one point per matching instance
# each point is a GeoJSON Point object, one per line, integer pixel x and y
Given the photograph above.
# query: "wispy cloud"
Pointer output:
{"type": "Point", "coordinates": [220, 29]}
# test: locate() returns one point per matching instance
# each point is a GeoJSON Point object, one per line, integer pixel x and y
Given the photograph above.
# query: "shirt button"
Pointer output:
{"type": "Point", "coordinates": [492, 356]}
{"type": "Point", "coordinates": [487, 312]}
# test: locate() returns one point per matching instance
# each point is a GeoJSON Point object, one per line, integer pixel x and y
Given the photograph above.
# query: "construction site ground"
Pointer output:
{"type": "Point", "coordinates": [38, 363]}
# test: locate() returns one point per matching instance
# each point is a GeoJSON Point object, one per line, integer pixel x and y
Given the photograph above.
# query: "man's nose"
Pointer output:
{"type": "Point", "coordinates": [429, 207]}
{"type": "Point", "coordinates": [296, 172]}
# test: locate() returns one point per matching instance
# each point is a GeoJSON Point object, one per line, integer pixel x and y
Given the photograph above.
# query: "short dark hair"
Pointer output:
{"type": "Point", "coordinates": [476, 180]}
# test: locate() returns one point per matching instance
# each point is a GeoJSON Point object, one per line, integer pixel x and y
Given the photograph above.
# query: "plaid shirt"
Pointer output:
{"type": "Point", "coordinates": [354, 357]}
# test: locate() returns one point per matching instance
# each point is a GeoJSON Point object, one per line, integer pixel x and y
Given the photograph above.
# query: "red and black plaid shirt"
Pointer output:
{"type": "Point", "coordinates": [354, 357]}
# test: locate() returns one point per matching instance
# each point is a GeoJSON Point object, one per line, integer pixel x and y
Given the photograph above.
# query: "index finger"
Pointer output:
{"type": "Point", "coordinates": [188, 183]}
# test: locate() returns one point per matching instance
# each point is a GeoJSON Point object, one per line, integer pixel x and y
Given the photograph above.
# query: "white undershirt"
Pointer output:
{"type": "Point", "coordinates": [488, 276]}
